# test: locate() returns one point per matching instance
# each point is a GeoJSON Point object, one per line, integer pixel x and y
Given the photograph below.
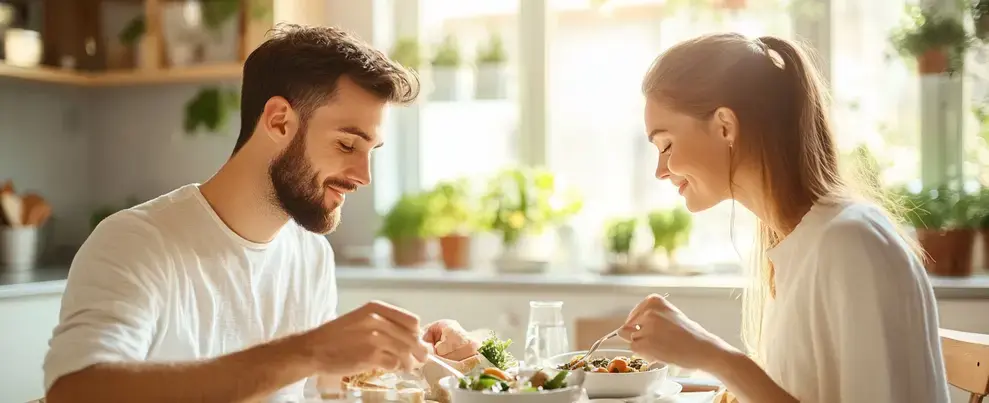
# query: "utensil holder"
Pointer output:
{"type": "Point", "coordinates": [18, 248]}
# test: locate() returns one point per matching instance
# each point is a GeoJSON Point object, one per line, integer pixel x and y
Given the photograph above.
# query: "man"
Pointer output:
{"type": "Point", "coordinates": [226, 291]}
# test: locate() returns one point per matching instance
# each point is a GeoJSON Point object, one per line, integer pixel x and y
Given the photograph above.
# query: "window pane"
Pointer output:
{"type": "Point", "coordinates": [469, 117]}
{"type": "Point", "coordinates": [876, 94]}
{"type": "Point", "coordinates": [599, 56]}
{"type": "Point", "coordinates": [976, 111]}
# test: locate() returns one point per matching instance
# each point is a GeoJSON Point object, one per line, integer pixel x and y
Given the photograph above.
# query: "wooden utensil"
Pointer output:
{"type": "Point", "coordinates": [30, 204]}
{"type": "Point", "coordinates": [12, 208]}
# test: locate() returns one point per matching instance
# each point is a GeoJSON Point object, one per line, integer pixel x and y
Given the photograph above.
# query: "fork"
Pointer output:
{"type": "Point", "coordinates": [597, 344]}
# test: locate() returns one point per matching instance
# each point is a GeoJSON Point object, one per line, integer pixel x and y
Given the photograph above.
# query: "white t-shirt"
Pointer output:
{"type": "Point", "coordinates": [854, 318]}
{"type": "Point", "coordinates": [168, 281]}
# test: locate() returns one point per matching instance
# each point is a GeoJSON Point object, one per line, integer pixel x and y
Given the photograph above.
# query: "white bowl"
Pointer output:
{"type": "Point", "coordinates": [568, 394]}
{"type": "Point", "coordinates": [600, 385]}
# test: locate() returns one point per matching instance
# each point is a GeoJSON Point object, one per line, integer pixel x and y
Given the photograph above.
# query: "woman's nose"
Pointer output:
{"type": "Point", "coordinates": [663, 168]}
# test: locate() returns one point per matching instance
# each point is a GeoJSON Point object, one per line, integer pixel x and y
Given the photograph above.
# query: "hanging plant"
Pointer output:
{"type": "Point", "coordinates": [937, 42]}
{"type": "Point", "coordinates": [210, 109]}
{"type": "Point", "coordinates": [980, 15]}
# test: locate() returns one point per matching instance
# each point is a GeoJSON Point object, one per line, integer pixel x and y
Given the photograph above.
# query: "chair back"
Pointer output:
{"type": "Point", "coordinates": [966, 361]}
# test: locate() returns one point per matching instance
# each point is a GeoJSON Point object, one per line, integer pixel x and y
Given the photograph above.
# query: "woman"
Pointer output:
{"type": "Point", "coordinates": [841, 309]}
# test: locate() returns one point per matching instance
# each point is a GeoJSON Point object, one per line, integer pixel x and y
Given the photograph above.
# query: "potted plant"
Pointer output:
{"type": "Point", "coordinates": [446, 71]}
{"type": "Point", "coordinates": [620, 234]}
{"type": "Point", "coordinates": [520, 203]}
{"type": "Point", "coordinates": [492, 70]}
{"type": "Point", "coordinates": [449, 219]}
{"type": "Point", "coordinates": [211, 109]}
{"type": "Point", "coordinates": [670, 230]}
{"type": "Point", "coordinates": [132, 43]}
{"type": "Point", "coordinates": [980, 16]}
{"type": "Point", "coordinates": [944, 219]}
{"type": "Point", "coordinates": [937, 42]}
{"type": "Point", "coordinates": [408, 53]}
{"type": "Point", "coordinates": [405, 227]}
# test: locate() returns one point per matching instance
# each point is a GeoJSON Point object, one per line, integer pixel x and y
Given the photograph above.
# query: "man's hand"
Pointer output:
{"type": "Point", "coordinates": [376, 336]}
{"type": "Point", "coordinates": [450, 340]}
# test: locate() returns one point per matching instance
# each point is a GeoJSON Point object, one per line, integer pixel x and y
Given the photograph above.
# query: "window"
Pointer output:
{"type": "Point", "coordinates": [598, 52]}
{"type": "Point", "coordinates": [876, 95]}
{"type": "Point", "coordinates": [469, 116]}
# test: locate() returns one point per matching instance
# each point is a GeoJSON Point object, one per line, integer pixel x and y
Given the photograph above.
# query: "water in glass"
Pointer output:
{"type": "Point", "coordinates": [546, 335]}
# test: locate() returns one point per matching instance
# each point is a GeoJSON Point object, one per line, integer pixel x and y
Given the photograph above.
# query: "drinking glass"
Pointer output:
{"type": "Point", "coordinates": [546, 335]}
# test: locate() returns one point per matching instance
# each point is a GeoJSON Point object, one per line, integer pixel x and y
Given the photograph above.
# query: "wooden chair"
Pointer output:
{"type": "Point", "coordinates": [966, 361]}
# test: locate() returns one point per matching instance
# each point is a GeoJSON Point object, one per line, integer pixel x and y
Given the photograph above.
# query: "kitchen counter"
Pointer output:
{"type": "Point", "coordinates": [51, 280]}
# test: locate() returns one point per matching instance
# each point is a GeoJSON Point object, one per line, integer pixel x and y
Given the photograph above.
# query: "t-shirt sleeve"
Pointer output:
{"type": "Point", "coordinates": [875, 316]}
{"type": "Point", "coordinates": [111, 302]}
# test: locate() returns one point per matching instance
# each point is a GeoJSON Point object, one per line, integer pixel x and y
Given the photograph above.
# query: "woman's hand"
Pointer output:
{"type": "Point", "coordinates": [659, 331]}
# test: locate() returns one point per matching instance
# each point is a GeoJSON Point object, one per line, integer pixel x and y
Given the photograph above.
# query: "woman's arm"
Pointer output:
{"type": "Point", "coordinates": [747, 381]}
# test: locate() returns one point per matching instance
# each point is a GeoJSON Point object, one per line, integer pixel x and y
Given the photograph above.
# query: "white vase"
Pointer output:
{"type": "Point", "coordinates": [446, 84]}
{"type": "Point", "coordinates": [491, 81]}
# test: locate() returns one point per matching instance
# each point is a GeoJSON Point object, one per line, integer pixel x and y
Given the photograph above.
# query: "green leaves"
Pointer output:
{"type": "Point", "coordinates": [492, 52]}
{"type": "Point", "coordinates": [926, 30]}
{"type": "Point", "coordinates": [210, 108]}
{"type": "Point", "coordinates": [407, 218]}
{"type": "Point", "coordinates": [447, 54]}
{"type": "Point", "coordinates": [670, 228]}
{"type": "Point", "coordinates": [496, 352]}
{"type": "Point", "coordinates": [620, 233]}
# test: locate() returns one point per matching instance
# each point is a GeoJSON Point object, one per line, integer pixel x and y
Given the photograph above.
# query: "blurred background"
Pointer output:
{"type": "Point", "coordinates": [522, 172]}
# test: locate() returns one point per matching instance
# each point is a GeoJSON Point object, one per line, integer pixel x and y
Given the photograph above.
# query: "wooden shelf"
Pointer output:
{"type": "Point", "coordinates": [124, 78]}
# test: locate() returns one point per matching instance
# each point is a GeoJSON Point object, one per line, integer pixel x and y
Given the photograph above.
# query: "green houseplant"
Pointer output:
{"type": "Point", "coordinates": [492, 70]}
{"type": "Point", "coordinates": [523, 202]}
{"type": "Point", "coordinates": [620, 233]}
{"type": "Point", "coordinates": [980, 16]}
{"type": "Point", "coordinates": [670, 230]}
{"type": "Point", "coordinates": [446, 70]}
{"type": "Point", "coordinates": [405, 227]}
{"type": "Point", "coordinates": [450, 217]}
{"type": "Point", "coordinates": [945, 221]}
{"type": "Point", "coordinates": [408, 53]}
{"type": "Point", "coordinates": [210, 109]}
{"type": "Point", "coordinates": [937, 42]}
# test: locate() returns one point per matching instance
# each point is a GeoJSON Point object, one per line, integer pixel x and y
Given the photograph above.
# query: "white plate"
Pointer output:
{"type": "Point", "coordinates": [666, 393]}
{"type": "Point", "coordinates": [669, 389]}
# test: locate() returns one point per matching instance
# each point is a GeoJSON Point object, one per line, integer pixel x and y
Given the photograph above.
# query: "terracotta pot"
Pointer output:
{"type": "Point", "coordinates": [949, 252]}
{"type": "Point", "coordinates": [734, 4]}
{"type": "Point", "coordinates": [408, 252]}
{"type": "Point", "coordinates": [455, 250]}
{"type": "Point", "coordinates": [985, 245]}
{"type": "Point", "coordinates": [933, 61]}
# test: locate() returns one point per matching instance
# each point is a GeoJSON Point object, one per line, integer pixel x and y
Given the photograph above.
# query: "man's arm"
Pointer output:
{"type": "Point", "coordinates": [245, 376]}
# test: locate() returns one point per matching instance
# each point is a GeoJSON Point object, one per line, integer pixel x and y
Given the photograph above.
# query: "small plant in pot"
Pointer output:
{"type": "Point", "coordinates": [492, 70]}
{"type": "Point", "coordinates": [670, 230]}
{"type": "Point", "coordinates": [450, 216]}
{"type": "Point", "coordinates": [446, 70]}
{"type": "Point", "coordinates": [945, 221]}
{"type": "Point", "coordinates": [408, 53]}
{"type": "Point", "coordinates": [620, 233]}
{"type": "Point", "coordinates": [980, 16]}
{"type": "Point", "coordinates": [405, 226]}
{"type": "Point", "coordinates": [937, 42]}
{"type": "Point", "coordinates": [130, 39]}
{"type": "Point", "coordinates": [520, 204]}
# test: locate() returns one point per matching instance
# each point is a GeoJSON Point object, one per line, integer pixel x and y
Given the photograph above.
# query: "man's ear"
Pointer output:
{"type": "Point", "coordinates": [726, 124]}
{"type": "Point", "coordinates": [279, 120]}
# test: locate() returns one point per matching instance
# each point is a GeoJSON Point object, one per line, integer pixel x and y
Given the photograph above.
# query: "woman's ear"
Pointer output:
{"type": "Point", "coordinates": [726, 123]}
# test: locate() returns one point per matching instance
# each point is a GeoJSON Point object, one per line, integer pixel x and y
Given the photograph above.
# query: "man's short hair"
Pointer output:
{"type": "Point", "coordinates": [304, 63]}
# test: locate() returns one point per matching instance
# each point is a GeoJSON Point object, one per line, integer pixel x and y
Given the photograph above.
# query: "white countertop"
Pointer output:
{"type": "Point", "coordinates": [52, 281]}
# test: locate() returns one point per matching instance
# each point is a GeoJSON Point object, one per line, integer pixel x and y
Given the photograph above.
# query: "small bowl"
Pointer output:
{"type": "Point", "coordinates": [601, 385]}
{"type": "Point", "coordinates": [568, 394]}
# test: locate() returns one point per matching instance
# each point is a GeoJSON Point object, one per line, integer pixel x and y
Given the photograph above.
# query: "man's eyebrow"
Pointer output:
{"type": "Point", "coordinates": [360, 133]}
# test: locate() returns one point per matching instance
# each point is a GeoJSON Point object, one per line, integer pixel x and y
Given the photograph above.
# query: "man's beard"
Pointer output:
{"type": "Point", "coordinates": [298, 190]}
